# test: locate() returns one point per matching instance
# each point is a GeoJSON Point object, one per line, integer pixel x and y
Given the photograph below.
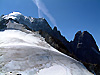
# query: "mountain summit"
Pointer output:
{"type": "Point", "coordinates": [14, 15]}
{"type": "Point", "coordinates": [29, 46]}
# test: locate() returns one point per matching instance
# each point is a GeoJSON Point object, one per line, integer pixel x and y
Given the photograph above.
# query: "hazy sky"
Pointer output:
{"type": "Point", "coordinates": [70, 15]}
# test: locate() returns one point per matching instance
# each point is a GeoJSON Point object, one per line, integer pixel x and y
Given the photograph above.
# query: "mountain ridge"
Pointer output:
{"type": "Point", "coordinates": [55, 39]}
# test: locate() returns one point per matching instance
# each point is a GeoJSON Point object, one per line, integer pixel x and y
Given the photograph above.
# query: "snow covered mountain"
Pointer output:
{"type": "Point", "coordinates": [23, 51]}
{"type": "Point", "coordinates": [27, 53]}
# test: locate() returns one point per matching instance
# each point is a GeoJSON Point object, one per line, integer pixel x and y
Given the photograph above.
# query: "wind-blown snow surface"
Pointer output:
{"type": "Point", "coordinates": [27, 53]}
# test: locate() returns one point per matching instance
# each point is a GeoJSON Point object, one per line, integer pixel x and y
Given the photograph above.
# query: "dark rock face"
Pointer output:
{"type": "Point", "coordinates": [94, 68]}
{"type": "Point", "coordinates": [54, 42]}
{"type": "Point", "coordinates": [3, 24]}
{"type": "Point", "coordinates": [85, 48]}
{"type": "Point", "coordinates": [36, 24]}
{"type": "Point", "coordinates": [86, 39]}
{"type": "Point", "coordinates": [58, 35]}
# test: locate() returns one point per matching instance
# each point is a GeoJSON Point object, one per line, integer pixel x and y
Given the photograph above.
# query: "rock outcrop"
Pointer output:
{"type": "Point", "coordinates": [85, 49]}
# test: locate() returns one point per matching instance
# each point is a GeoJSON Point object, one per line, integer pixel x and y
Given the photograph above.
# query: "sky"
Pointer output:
{"type": "Point", "coordinates": [69, 16]}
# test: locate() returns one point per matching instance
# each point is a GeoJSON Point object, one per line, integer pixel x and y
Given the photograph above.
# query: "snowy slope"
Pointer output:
{"type": "Point", "coordinates": [28, 54]}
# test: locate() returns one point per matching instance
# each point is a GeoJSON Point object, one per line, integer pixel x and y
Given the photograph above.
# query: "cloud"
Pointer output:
{"type": "Point", "coordinates": [42, 9]}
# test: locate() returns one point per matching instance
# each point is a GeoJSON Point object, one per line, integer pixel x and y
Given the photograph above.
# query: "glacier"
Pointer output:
{"type": "Point", "coordinates": [26, 52]}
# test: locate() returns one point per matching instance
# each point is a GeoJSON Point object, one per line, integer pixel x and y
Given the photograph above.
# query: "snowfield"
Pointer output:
{"type": "Point", "coordinates": [27, 53]}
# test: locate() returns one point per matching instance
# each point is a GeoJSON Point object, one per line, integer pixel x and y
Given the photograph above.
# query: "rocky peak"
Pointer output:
{"type": "Point", "coordinates": [55, 28]}
{"type": "Point", "coordinates": [85, 39]}
{"type": "Point", "coordinates": [40, 24]}
{"type": "Point", "coordinates": [84, 48]}
{"type": "Point", "coordinates": [77, 35]}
